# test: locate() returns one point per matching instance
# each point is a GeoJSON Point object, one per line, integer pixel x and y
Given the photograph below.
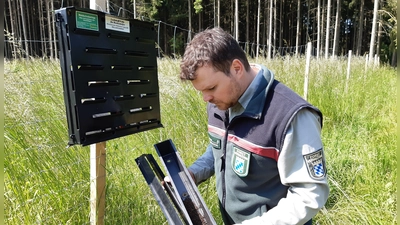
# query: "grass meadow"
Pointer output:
{"type": "Point", "coordinates": [47, 183]}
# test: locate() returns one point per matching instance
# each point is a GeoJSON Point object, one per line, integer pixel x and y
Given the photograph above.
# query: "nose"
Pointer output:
{"type": "Point", "coordinates": [207, 97]}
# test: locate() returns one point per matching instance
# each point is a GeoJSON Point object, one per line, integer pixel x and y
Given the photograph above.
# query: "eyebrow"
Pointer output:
{"type": "Point", "coordinates": [209, 86]}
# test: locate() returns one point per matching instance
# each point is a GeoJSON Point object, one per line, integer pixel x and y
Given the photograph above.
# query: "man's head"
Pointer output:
{"type": "Point", "coordinates": [216, 66]}
{"type": "Point", "coordinates": [214, 47]}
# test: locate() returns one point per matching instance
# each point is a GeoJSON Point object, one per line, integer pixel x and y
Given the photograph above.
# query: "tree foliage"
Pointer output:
{"type": "Point", "coordinates": [175, 22]}
{"type": "Point", "coordinates": [197, 6]}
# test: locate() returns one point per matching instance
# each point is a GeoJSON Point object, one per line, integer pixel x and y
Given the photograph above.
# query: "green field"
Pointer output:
{"type": "Point", "coordinates": [47, 183]}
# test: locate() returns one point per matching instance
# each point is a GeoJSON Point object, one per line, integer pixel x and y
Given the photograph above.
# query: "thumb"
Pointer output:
{"type": "Point", "coordinates": [167, 179]}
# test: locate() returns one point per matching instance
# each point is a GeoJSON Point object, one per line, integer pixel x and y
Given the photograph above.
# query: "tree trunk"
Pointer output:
{"type": "Point", "coordinates": [237, 20]}
{"type": "Point", "coordinates": [232, 18]}
{"type": "Point", "coordinates": [265, 19]}
{"type": "Point", "coordinates": [270, 31]}
{"type": "Point", "coordinates": [49, 30]}
{"type": "Point", "coordinates": [328, 16]}
{"type": "Point", "coordinates": [298, 27]}
{"type": "Point", "coordinates": [201, 22]}
{"type": "Point", "coordinates": [353, 40]}
{"type": "Point", "coordinates": [394, 58]}
{"type": "Point", "coordinates": [28, 27]}
{"type": "Point", "coordinates": [190, 21]}
{"type": "Point", "coordinates": [274, 30]}
{"type": "Point", "coordinates": [54, 29]}
{"type": "Point", "coordinates": [360, 28]}
{"type": "Point", "coordinates": [337, 30]}
{"type": "Point", "coordinates": [166, 49]}
{"type": "Point", "coordinates": [218, 13]}
{"type": "Point", "coordinates": [18, 32]}
{"type": "Point", "coordinates": [24, 29]}
{"type": "Point", "coordinates": [215, 14]}
{"type": "Point", "coordinates": [247, 26]}
{"type": "Point", "coordinates": [42, 31]}
{"type": "Point", "coordinates": [378, 42]}
{"type": "Point", "coordinates": [322, 26]}
{"type": "Point", "coordinates": [13, 30]}
{"type": "Point", "coordinates": [318, 27]}
{"type": "Point", "coordinates": [280, 22]}
{"type": "Point", "coordinates": [258, 27]}
{"type": "Point", "coordinates": [373, 31]}
{"type": "Point", "coordinates": [6, 37]}
{"type": "Point", "coordinates": [123, 5]}
{"type": "Point", "coordinates": [134, 9]}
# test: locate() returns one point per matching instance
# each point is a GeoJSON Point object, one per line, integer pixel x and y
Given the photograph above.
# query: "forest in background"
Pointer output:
{"type": "Point", "coordinates": [275, 27]}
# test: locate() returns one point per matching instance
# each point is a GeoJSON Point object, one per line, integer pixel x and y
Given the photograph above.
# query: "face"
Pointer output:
{"type": "Point", "coordinates": [216, 87]}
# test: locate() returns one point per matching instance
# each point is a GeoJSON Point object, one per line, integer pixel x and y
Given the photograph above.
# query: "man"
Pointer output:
{"type": "Point", "coordinates": [265, 143]}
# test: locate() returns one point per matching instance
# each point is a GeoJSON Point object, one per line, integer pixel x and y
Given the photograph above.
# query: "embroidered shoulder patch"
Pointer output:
{"type": "Point", "coordinates": [214, 141]}
{"type": "Point", "coordinates": [240, 161]}
{"type": "Point", "coordinates": [316, 164]}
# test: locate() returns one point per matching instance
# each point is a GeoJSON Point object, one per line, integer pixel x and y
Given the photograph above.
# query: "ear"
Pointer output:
{"type": "Point", "coordinates": [237, 67]}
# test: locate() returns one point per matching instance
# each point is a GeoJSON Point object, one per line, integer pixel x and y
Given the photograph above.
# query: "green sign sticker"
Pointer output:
{"type": "Point", "coordinates": [87, 21]}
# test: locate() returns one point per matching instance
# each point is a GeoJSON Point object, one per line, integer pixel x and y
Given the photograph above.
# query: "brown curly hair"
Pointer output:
{"type": "Point", "coordinates": [212, 46]}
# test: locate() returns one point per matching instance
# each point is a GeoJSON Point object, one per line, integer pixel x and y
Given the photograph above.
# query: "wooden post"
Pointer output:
{"type": "Point", "coordinates": [348, 65]}
{"type": "Point", "coordinates": [308, 59]}
{"type": "Point", "coordinates": [98, 160]}
{"type": "Point", "coordinates": [348, 71]}
{"type": "Point", "coordinates": [97, 183]}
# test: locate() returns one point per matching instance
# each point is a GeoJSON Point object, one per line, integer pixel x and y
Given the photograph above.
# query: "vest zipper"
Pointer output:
{"type": "Point", "coordinates": [223, 159]}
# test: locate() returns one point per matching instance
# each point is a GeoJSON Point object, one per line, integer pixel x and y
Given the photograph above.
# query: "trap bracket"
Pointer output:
{"type": "Point", "coordinates": [180, 199]}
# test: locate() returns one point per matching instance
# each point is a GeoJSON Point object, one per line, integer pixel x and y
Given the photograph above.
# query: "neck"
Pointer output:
{"type": "Point", "coordinates": [250, 76]}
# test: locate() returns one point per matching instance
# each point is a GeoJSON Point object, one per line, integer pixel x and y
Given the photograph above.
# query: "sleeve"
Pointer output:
{"type": "Point", "coordinates": [203, 167]}
{"type": "Point", "coordinates": [301, 166]}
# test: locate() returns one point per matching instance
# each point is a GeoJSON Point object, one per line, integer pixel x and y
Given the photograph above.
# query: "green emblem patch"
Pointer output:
{"type": "Point", "coordinates": [215, 142]}
{"type": "Point", "coordinates": [240, 161]}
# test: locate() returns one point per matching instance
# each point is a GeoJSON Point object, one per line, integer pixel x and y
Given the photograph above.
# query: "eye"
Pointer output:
{"type": "Point", "coordinates": [212, 88]}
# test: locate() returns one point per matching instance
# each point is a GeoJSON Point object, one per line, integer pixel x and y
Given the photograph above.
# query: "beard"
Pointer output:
{"type": "Point", "coordinates": [231, 96]}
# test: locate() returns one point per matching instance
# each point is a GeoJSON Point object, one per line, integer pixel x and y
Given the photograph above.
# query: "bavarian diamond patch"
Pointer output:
{"type": "Point", "coordinates": [316, 164]}
{"type": "Point", "coordinates": [240, 161]}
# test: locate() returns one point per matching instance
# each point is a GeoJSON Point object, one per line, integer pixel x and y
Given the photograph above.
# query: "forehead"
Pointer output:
{"type": "Point", "coordinates": [207, 77]}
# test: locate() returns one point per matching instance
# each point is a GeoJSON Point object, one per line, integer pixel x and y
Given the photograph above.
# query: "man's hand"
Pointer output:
{"type": "Point", "coordinates": [167, 179]}
{"type": "Point", "coordinates": [192, 175]}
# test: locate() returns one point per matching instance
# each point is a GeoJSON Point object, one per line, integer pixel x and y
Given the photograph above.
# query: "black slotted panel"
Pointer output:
{"type": "Point", "coordinates": [109, 71]}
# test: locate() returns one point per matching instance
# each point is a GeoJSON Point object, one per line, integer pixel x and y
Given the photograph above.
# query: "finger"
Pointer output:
{"type": "Point", "coordinates": [167, 179]}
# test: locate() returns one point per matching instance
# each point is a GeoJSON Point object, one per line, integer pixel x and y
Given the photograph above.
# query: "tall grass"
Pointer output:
{"type": "Point", "coordinates": [47, 183]}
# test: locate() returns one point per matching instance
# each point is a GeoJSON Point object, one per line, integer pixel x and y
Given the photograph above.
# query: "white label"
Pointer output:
{"type": "Point", "coordinates": [113, 23]}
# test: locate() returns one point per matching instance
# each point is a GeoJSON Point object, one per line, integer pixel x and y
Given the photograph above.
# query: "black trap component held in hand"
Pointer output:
{"type": "Point", "coordinates": [179, 200]}
{"type": "Point", "coordinates": [109, 74]}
